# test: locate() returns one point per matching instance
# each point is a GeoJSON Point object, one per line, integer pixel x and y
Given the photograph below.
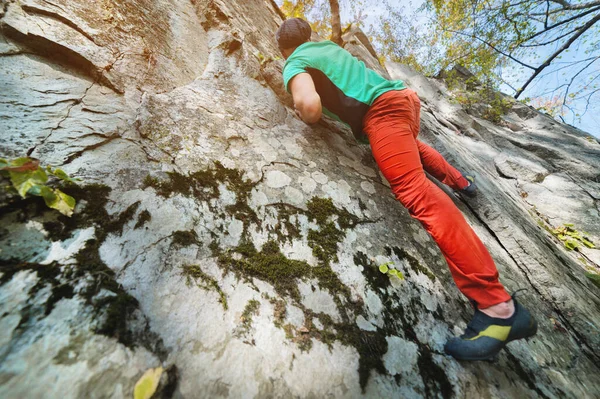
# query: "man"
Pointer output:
{"type": "Point", "coordinates": [323, 77]}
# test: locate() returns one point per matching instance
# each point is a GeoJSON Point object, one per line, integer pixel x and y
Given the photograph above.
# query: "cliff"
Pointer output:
{"type": "Point", "coordinates": [222, 239]}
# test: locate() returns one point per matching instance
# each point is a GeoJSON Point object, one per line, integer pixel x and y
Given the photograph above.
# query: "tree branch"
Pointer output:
{"type": "Point", "coordinates": [565, 46]}
{"type": "Point", "coordinates": [574, 76]}
{"type": "Point", "coordinates": [551, 41]}
{"type": "Point", "coordinates": [569, 6]}
{"type": "Point", "coordinates": [492, 47]}
{"type": "Point", "coordinates": [574, 17]}
{"type": "Point", "coordinates": [336, 25]}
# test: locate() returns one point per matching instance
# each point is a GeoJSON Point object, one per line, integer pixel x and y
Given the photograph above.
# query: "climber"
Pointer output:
{"type": "Point", "coordinates": [324, 78]}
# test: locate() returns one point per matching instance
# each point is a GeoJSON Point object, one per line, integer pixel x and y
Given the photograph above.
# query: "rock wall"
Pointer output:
{"type": "Point", "coordinates": [219, 237]}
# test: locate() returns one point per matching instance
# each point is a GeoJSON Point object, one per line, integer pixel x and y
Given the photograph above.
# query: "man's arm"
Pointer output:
{"type": "Point", "coordinates": [306, 98]}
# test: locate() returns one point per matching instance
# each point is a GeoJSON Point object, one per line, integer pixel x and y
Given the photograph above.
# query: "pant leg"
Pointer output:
{"type": "Point", "coordinates": [437, 166]}
{"type": "Point", "coordinates": [433, 162]}
{"type": "Point", "coordinates": [392, 126]}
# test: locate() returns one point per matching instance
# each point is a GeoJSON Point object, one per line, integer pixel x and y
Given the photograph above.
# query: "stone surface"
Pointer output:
{"type": "Point", "coordinates": [199, 185]}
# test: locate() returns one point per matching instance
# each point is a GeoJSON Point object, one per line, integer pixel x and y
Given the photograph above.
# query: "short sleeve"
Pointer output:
{"type": "Point", "coordinates": [292, 68]}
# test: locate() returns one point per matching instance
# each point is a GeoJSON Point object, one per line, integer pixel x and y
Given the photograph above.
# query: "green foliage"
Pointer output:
{"type": "Point", "coordinates": [595, 277]}
{"type": "Point", "coordinates": [28, 178]}
{"type": "Point", "coordinates": [385, 269]}
{"type": "Point", "coordinates": [318, 13]}
{"type": "Point", "coordinates": [265, 60]}
{"type": "Point", "coordinates": [497, 38]}
{"type": "Point", "coordinates": [194, 274]}
{"type": "Point", "coordinates": [571, 238]}
{"type": "Point", "coordinates": [497, 104]}
{"type": "Point", "coordinates": [401, 37]}
{"type": "Point", "coordinates": [250, 310]}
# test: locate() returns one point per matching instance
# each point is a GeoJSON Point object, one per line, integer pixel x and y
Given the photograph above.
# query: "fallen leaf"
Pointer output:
{"type": "Point", "coordinates": [147, 384]}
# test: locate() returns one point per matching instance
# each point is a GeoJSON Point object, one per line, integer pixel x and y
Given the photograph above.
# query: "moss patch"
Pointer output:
{"type": "Point", "coordinates": [46, 274]}
{"type": "Point", "coordinates": [195, 275]}
{"type": "Point", "coordinates": [117, 306]}
{"type": "Point", "coordinates": [331, 220]}
{"type": "Point", "coordinates": [204, 186]}
{"type": "Point", "coordinates": [185, 238]}
{"type": "Point", "coordinates": [143, 218]}
{"type": "Point", "coordinates": [434, 377]}
{"type": "Point", "coordinates": [250, 310]}
{"type": "Point", "coordinates": [399, 321]}
{"type": "Point", "coordinates": [413, 262]}
{"type": "Point", "coordinates": [282, 273]}
{"type": "Point", "coordinates": [377, 280]}
{"type": "Point", "coordinates": [279, 311]}
{"type": "Point", "coordinates": [287, 227]}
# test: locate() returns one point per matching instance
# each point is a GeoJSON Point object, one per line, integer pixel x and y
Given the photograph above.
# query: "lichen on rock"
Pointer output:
{"type": "Point", "coordinates": [220, 238]}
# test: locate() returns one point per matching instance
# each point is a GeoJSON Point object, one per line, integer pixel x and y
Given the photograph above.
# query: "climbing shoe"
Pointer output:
{"type": "Point", "coordinates": [471, 189]}
{"type": "Point", "coordinates": [485, 336]}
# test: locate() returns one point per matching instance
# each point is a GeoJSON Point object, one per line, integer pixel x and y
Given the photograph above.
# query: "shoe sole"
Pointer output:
{"type": "Point", "coordinates": [494, 356]}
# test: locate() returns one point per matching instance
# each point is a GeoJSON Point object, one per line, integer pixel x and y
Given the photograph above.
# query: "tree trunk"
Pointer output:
{"type": "Point", "coordinates": [336, 25]}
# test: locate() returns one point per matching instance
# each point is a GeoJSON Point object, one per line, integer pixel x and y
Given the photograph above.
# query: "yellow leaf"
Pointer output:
{"type": "Point", "coordinates": [146, 385]}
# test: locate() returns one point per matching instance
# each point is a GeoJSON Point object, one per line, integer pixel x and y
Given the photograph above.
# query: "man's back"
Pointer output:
{"type": "Point", "coordinates": [346, 86]}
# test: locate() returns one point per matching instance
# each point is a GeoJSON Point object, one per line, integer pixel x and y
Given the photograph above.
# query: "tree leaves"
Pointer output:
{"type": "Point", "coordinates": [29, 179]}
{"type": "Point", "coordinates": [385, 269]}
{"type": "Point", "coordinates": [572, 238]}
{"type": "Point", "coordinates": [147, 384]}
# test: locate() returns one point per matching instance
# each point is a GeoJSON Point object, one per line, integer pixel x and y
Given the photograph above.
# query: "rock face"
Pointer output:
{"type": "Point", "coordinates": [219, 237]}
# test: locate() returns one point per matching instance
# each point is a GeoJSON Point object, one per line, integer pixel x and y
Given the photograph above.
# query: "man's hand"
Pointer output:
{"type": "Point", "coordinates": [306, 99]}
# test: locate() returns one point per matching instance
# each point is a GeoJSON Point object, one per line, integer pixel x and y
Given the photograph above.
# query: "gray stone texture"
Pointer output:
{"type": "Point", "coordinates": [129, 93]}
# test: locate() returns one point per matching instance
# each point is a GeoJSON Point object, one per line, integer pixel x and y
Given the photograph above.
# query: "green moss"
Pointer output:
{"type": "Point", "coordinates": [371, 345]}
{"type": "Point", "coordinates": [269, 265]}
{"type": "Point", "coordinates": [285, 229]}
{"type": "Point", "coordinates": [434, 377]}
{"type": "Point", "coordinates": [143, 218]}
{"type": "Point", "coordinates": [377, 280]}
{"type": "Point", "coordinates": [324, 242]}
{"type": "Point", "coordinates": [204, 186]}
{"type": "Point", "coordinates": [48, 275]}
{"type": "Point", "coordinates": [279, 311]}
{"type": "Point", "coordinates": [250, 310]}
{"type": "Point", "coordinates": [95, 196]}
{"type": "Point", "coordinates": [215, 250]}
{"type": "Point", "coordinates": [399, 321]}
{"type": "Point", "coordinates": [185, 238]}
{"type": "Point", "coordinates": [322, 209]}
{"type": "Point", "coordinates": [116, 308]}
{"type": "Point", "coordinates": [289, 331]}
{"type": "Point", "coordinates": [115, 226]}
{"type": "Point", "coordinates": [594, 277]}
{"type": "Point", "coordinates": [194, 274]}
{"type": "Point", "coordinates": [332, 222]}
{"type": "Point", "coordinates": [362, 205]}
{"type": "Point", "coordinates": [414, 264]}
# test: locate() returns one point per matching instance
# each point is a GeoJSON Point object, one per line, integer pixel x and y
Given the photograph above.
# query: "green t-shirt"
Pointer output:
{"type": "Point", "coordinates": [346, 86]}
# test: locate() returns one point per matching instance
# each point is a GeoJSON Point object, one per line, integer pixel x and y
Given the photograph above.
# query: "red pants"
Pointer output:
{"type": "Point", "coordinates": [392, 125]}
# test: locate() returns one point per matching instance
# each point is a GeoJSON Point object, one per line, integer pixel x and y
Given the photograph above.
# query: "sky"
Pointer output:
{"type": "Point", "coordinates": [589, 122]}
